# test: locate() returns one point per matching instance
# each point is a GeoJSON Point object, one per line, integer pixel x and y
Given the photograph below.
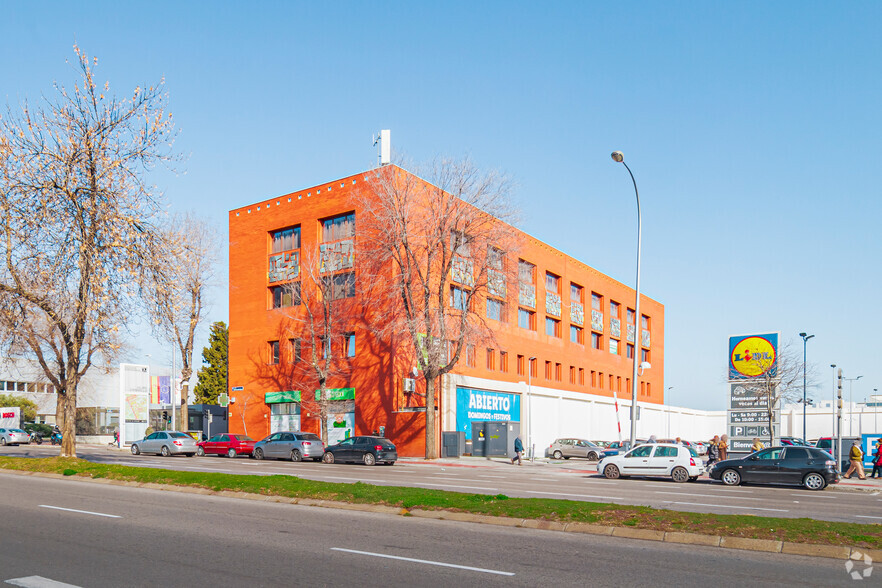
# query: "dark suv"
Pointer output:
{"type": "Point", "coordinates": [362, 449]}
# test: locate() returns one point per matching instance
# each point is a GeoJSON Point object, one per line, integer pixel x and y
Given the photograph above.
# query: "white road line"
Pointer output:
{"type": "Point", "coordinates": [867, 517]}
{"type": "Point", "coordinates": [425, 561]}
{"type": "Point", "coordinates": [445, 474]}
{"type": "Point", "coordinates": [500, 477]}
{"type": "Point", "coordinates": [578, 495]}
{"type": "Point", "coordinates": [543, 480]}
{"type": "Point", "coordinates": [814, 495]}
{"type": "Point", "coordinates": [727, 506]}
{"type": "Point", "coordinates": [455, 486]}
{"type": "Point", "coordinates": [708, 495]}
{"type": "Point", "coordinates": [38, 582]}
{"type": "Point", "coordinates": [342, 478]}
{"type": "Point", "coordinates": [97, 514]}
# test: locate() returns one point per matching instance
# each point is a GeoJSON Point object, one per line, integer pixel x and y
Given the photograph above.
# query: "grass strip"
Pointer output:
{"type": "Point", "coordinates": [756, 527]}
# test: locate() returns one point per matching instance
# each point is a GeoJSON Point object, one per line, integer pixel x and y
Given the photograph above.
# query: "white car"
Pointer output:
{"type": "Point", "coordinates": [679, 462]}
{"type": "Point", "coordinates": [13, 437]}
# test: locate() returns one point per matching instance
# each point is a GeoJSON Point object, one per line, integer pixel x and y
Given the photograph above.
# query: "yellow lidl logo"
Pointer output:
{"type": "Point", "coordinates": [753, 356]}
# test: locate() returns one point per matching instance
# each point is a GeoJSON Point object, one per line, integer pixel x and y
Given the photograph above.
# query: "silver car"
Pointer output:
{"type": "Point", "coordinates": [569, 447]}
{"type": "Point", "coordinates": [13, 437]}
{"type": "Point", "coordinates": [293, 445]}
{"type": "Point", "coordinates": [166, 443]}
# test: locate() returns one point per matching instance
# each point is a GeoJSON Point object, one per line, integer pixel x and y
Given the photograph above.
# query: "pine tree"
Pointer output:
{"type": "Point", "coordinates": [213, 375]}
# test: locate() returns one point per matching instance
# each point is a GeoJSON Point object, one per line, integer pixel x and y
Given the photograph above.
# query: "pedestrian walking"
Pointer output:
{"type": "Point", "coordinates": [856, 456]}
{"type": "Point", "coordinates": [724, 447]}
{"type": "Point", "coordinates": [519, 449]}
{"type": "Point", "coordinates": [713, 451]}
{"type": "Point", "coordinates": [757, 445]}
{"type": "Point", "coordinates": [877, 461]}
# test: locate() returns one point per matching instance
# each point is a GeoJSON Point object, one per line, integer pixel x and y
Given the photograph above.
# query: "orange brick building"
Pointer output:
{"type": "Point", "coordinates": [575, 322]}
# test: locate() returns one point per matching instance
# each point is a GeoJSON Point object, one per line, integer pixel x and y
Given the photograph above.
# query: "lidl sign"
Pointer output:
{"type": "Point", "coordinates": [751, 356]}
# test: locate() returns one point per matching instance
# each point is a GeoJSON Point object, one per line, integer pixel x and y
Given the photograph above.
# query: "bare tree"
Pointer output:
{"type": "Point", "coordinates": [77, 218]}
{"type": "Point", "coordinates": [174, 286]}
{"type": "Point", "coordinates": [438, 247]}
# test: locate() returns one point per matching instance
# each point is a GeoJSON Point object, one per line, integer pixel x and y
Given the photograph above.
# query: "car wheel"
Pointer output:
{"type": "Point", "coordinates": [231, 453]}
{"type": "Point", "coordinates": [258, 453]}
{"type": "Point", "coordinates": [165, 452]}
{"type": "Point", "coordinates": [814, 481]}
{"type": "Point", "coordinates": [369, 459]}
{"type": "Point", "coordinates": [2, 440]}
{"type": "Point", "coordinates": [557, 455]}
{"type": "Point", "coordinates": [200, 452]}
{"type": "Point", "coordinates": [592, 456]}
{"type": "Point", "coordinates": [136, 450]}
{"type": "Point", "coordinates": [328, 457]}
{"type": "Point", "coordinates": [680, 474]}
{"type": "Point", "coordinates": [611, 472]}
{"type": "Point", "coordinates": [296, 455]}
{"type": "Point", "coordinates": [731, 478]}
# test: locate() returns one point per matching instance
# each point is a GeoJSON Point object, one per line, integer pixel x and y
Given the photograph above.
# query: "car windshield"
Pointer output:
{"type": "Point", "coordinates": [385, 443]}
{"type": "Point", "coordinates": [179, 435]}
{"type": "Point", "coordinates": [16, 430]}
{"type": "Point", "coordinates": [692, 452]}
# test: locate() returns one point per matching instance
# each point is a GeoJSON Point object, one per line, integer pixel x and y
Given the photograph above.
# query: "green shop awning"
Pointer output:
{"type": "Point", "coordinates": [277, 397]}
{"type": "Point", "coordinates": [337, 394]}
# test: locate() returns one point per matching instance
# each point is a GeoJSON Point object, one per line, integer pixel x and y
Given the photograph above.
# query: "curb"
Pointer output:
{"type": "Point", "coordinates": [741, 543]}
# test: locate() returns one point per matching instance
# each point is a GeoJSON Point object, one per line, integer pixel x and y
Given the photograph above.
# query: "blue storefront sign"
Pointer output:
{"type": "Point", "coordinates": [483, 405]}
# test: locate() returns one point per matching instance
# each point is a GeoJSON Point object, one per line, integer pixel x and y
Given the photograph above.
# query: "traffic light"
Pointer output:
{"type": "Point", "coordinates": [165, 415]}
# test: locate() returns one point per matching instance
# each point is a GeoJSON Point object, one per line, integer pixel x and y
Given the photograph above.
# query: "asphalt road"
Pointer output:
{"type": "Point", "coordinates": [568, 481]}
{"type": "Point", "coordinates": [90, 535]}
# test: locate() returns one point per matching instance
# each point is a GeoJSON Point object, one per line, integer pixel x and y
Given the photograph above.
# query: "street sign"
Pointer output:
{"type": "Point", "coordinates": [761, 431]}
{"type": "Point", "coordinates": [749, 416]}
{"type": "Point", "coordinates": [223, 399]}
{"type": "Point", "coordinates": [747, 397]}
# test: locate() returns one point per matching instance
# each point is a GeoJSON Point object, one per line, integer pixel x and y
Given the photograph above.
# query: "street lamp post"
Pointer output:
{"type": "Point", "coordinates": [805, 339]}
{"type": "Point", "coordinates": [833, 400]}
{"type": "Point", "coordinates": [619, 157]}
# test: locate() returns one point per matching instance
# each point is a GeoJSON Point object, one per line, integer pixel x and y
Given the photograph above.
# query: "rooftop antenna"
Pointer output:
{"type": "Point", "coordinates": [385, 149]}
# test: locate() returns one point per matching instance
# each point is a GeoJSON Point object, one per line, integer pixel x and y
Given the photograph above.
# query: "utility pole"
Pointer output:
{"type": "Point", "coordinates": [839, 421]}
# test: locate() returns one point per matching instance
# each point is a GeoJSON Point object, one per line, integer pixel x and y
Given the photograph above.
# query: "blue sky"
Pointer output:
{"type": "Point", "coordinates": [752, 129]}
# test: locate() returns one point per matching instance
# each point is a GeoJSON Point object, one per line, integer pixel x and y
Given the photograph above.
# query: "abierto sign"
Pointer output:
{"type": "Point", "coordinates": [751, 356]}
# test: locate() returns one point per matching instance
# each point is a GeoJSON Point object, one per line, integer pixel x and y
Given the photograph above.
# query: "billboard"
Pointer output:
{"type": "Point", "coordinates": [483, 405]}
{"type": "Point", "coordinates": [751, 356]}
{"type": "Point", "coordinates": [134, 402]}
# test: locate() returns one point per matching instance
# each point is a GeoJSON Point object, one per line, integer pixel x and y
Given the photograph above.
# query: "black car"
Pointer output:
{"type": "Point", "coordinates": [363, 449]}
{"type": "Point", "coordinates": [805, 466]}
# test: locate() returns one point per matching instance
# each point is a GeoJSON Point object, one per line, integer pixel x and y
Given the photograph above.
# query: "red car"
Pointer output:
{"type": "Point", "coordinates": [226, 444]}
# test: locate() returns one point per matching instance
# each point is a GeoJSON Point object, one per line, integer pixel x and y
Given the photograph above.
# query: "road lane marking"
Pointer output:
{"type": "Point", "coordinates": [867, 517]}
{"type": "Point", "coordinates": [813, 495]}
{"type": "Point", "coordinates": [500, 477]}
{"type": "Point", "coordinates": [727, 506]}
{"type": "Point", "coordinates": [38, 582]}
{"type": "Point", "coordinates": [425, 561]}
{"type": "Point", "coordinates": [578, 495]}
{"type": "Point", "coordinates": [455, 486]}
{"type": "Point", "coordinates": [97, 514]}
{"type": "Point", "coordinates": [708, 495]}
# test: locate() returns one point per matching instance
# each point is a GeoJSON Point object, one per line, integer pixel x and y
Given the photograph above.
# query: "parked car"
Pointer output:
{"type": "Point", "coordinates": [363, 449]}
{"type": "Point", "coordinates": [226, 444]}
{"type": "Point", "coordinates": [166, 443]}
{"type": "Point", "coordinates": [806, 466]}
{"type": "Point", "coordinates": [569, 447]}
{"type": "Point", "coordinates": [679, 462]}
{"type": "Point", "coordinates": [617, 447]}
{"type": "Point", "coordinates": [293, 445]}
{"type": "Point", "coordinates": [10, 436]}
{"type": "Point", "coordinates": [794, 441]}
{"type": "Point", "coordinates": [700, 447]}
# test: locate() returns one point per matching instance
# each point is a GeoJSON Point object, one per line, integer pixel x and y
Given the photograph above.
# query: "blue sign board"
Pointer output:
{"type": "Point", "coordinates": [483, 405]}
{"type": "Point", "coordinates": [869, 446]}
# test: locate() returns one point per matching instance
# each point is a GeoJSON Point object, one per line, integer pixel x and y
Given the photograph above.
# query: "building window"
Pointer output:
{"type": "Point", "coordinates": [600, 380]}
{"type": "Point", "coordinates": [526, 272]}
{"type": "Point", "coordinates": [296, 350]}
{"type": "Point", "coordinates": [470, 355]}
{"type": "Point", "coordinates": [552, 327]}
{"type": "Point", "coordinates": [339, 286]}
{"type": "Point", "coordinates": [576, 335]}
{"type": "Point", "coordinates": [648, 389]}
{"type": "Point", "coordinates": [581, 376]}
{"type": "Point", "coordinates": [644, 355]}
{"type": "Point", "coordinates": [619, 383]}
{"type": "Point", "coordinates": [575, 292]}
{"type": "Point", "coordinates": [495, 258]}
{"type": "Point", "coordinates": [503, 361]}
{"type": "Point", "coordinates": [491, 359]}
{"type": "Point", "coordinates": [521, 367]}
{"type": "Point", "coordinates": [274, 352]}
{"type": "Point", "coordinates": [338, 228]}
{"type": "Point", "coordinates": [630, 316]}
{"type": "Point", "coordinates": [558, 372]}
{"type": "Point", "coordinates": [642, 388]}
{"type": "Point", "coordinates": [614, 346]}
{"type": "Point", "coordinates": [614, 309]}
{"type": "Point", "coordinates": [548, 370]}
{"type": "Point", "coordinates": [630, 351]}
{"type": "Point", "coordinates": [285, 240]}
{"type": "Point", "coordinates": [596, 301]}
{"type": "Point", "coordinates": [593, 379]}
{"type": "Point", "coordinates": [526, 319]}
{"type": "Point", "coordinates": [533, 366]}
{"type": "Point", "coordinates": [611, 382]}
{"type": "Point", "coordinates": [349, 344]}
{"type": "Point", "coordinates": [644, 322]}
{"type": "Point", "coordinates": [286, 295]}
{"type": "Point", "coordinates": [459, 298]}
{"type": "Point", "coordinates": [572, 374]}
{"type": "Point", "coordinates": [526, 284]}
{"type": "Point", "coordinates": [596, 341]}
{"type": "Point", "coordinates": [552, 283]}
{"type": "Point", "coordinates": [460, 243]}
{"type": "Point", "coordinates": [495, 309]}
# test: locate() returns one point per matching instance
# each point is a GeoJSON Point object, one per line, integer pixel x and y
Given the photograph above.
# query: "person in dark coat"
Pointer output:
{"type": "Point", "coordinates": [519, 450]}
{"type": "Point", "coordinates": [877, 460]}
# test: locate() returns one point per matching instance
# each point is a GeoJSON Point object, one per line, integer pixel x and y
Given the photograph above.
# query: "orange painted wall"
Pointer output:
{"type": "Point", "coordinates": [378, 367]}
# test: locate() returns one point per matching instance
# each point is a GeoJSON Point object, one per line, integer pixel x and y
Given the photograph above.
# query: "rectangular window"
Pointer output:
{"type": "Point", "coordinates": [326, 347]}
{"type": "Point", "coordinates": [596, 341]}
{"type": "Point", "coordinates": [572, 374]}
{"type": "Point", "coordinates": [349, 344]}
{"type": "Point", "coordinates": [503, 361]}
{"type": "Point", "coordinates": [552, 327]}
{"type": "Point", "coordinates": [630, 316]}
{"type": "Point", "coordinates": [458, 298]}
{"type": "Point", "coordinates": [619, 383]}
{"type": "Point", "coordinates": [339, 286]}
{"type": "Point", "coordinates": [491, 359]}
{"type": "Point", "coordinates": [600, 380]}
{"type": "Point", "coordinates": [575, 292]}
{"type": "Point", "coordinates": [286, 295]}
{"type": "Point", "coordinates": [495, 309]}
{"type": "Point", "coordinates": [552, 283]}
{"type": "Point", "coordinates": [576, 335]}
{"type": "Point", "coordinates": [644, 322]}
{"type": "Point", "coordinates": [558, 372]}
{"type": "Point", "coordinates": [648, 389]}
{"type": "Point", "coordinates": [460, 243]}
{"type": "Point", "coordinates": [522, 370]}
{"type": "Point", "coordinates": [274, 352]}
{"type": "Point", "coordinates": [548, 370]}
{"type": "Point", "coordinates": [470, 356]}
{"type": "Point", "coordinates": [495, 258]}
{"type": "Point", "coordinates": [338, 228]}
{"type": "Point", "coordinates": [644, 355]}
{"type": "Point", "coordinates": [285, 240]}
{"type": "Point", "coordinates": [614, 346]}
{"type": "Point", "coordinates": [526, 272]}
{"type": "Point", "coordinates": [533, 366]}
{"type": "Point", "coordinates": [526, 319]}
{"type": "Point", "coordinates": [593, 379]}
{"type": "Point", "coordinates": [630, 351]}
{"type": "Point", "coordinates": [296, 350]}
{"type": "Point", "coordinates": [611, 382]}
{"type": "Point", "coordinates": [642, 388]}
{"type": "Point", "coordinates": [614, 309]}
{"type": "Point", "coordinates": [581, 376]}
{"type": "Point", "coordinates": [596, 301]}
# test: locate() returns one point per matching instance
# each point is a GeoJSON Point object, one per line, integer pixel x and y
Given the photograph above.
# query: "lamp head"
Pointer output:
{"type": "Point", "coordinates": [802, 334]}
{"type": "Point", "coordinates": [618, 156]}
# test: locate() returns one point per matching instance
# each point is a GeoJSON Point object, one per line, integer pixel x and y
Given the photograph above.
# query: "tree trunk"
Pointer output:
{"type": "Point", "coordinates": [185, 417]}
{"type": "Point", "coordinates": [68, 427]}
{"type": "Point", "coordinates": [431, 449]}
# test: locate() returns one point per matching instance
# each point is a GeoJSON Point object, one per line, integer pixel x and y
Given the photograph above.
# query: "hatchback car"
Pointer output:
{"type": "Point", "coordinates": [366, 450]}
{"type": "Point", "coordinates": [805, 466]}
{"type": "Point", "coordinates": [166, 443]}
{"type": "Point", "coordinates": [293, 445]}
{"type": "Point", "coordinates": [226, 444]}
{"type": "Point", "coordinates": [9, 436]}
{"type": "Point", "coordinates": [679, 462]}
{"type": "Point", "coordinates": [569, 447]}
